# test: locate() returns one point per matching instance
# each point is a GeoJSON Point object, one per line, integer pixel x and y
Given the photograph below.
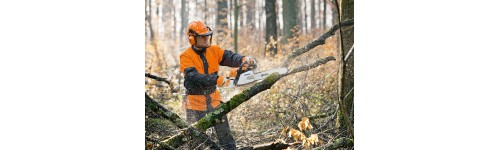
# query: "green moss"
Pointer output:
{"type": "Point", "coordinates": [271, 79]}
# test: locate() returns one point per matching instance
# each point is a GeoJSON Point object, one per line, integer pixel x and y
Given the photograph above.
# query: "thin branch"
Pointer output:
{"type": "Point", "coordinates": [321, 116]}
{"type": "Point", "coordinates": [158, 78]}
{"type": "Point", "coordinates": [328, 121]}
{"type": "Point", "coordinates": [318, 41]}
{"type": "Point", "coordinates": [163, 80]}
{"type": "Point", "coordinates": [310, 66]}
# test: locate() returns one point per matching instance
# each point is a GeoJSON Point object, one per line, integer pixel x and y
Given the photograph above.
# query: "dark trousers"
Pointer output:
{"type": "Point", "coordinates": [222, 130]}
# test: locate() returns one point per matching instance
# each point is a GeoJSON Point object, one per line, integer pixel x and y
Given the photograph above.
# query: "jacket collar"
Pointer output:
{"type": "Point", "coordinates": [199, 52]}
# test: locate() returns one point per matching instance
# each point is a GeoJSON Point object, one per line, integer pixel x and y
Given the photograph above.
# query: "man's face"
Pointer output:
{"type": "Point", "coordinates": [202, 41]}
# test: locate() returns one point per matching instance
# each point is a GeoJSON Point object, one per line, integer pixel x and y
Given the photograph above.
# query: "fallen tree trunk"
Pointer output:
{"type": "Point", "coordinates": [338, 143]}
{"type": "Point", "coordinates": [165, 113]}
{"type": "Point", "coordinates": [278, 145]}
{"type": "Point", "coordinates": [174, 118]}
{"type": "Point", "coordinates": [215, 116]}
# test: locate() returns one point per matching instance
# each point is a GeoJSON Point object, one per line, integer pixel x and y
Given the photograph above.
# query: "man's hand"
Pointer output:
{"type": "Point", "coordinates": [249, 61]}
{"type": "Point", "coordinates": [223, 81]}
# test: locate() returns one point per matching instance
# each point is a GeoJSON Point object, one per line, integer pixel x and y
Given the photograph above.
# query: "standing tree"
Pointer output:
{"type": "Point", "coordinates": [221, 19]}
{"type": "Point", "coordinates": [346, 68]}
{"type": "Point", "coordinates": [184, 17]}
{"type": "Point", "coordinates": [148, 19]}
{"type": "Point", "coordinates": [271, 27]}
{"type": "Point", "coordinates": [236, 9]}
{"type": "Point", "coordinates": [289, 19]}
{"type": "Point", "coordinates": [324, 14]}
{"type": "Point", "coordinates": [250, 13]}
{"type": "Point", "coordinates": [313, 15]}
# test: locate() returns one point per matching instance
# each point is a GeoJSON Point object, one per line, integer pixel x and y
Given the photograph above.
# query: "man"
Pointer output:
{"type": "Point", "coordinates": [200, 65]}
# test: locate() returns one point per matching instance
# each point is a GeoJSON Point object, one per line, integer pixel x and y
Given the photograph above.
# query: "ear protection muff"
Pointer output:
{"type": "Point", "coordinates": [192, 40]}
{"type": "Point", "coordinates": [191, 37]}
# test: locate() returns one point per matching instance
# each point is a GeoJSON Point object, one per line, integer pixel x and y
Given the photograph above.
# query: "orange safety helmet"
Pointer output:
{"type": "Point", "coordinates": [198, 28]}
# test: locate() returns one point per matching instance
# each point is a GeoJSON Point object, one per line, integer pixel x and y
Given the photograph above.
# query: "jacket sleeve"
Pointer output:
{"type": "Point", "coordinates": [191, 76]}
{"type": "Point", "coordinates": [231, 59]}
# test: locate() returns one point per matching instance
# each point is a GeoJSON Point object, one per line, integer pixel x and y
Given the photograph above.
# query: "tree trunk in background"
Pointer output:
{"type": "Point", "coordinates": [271, 26]}
{"type": "Point", "coordinates": [302, 15]}
{"type": "Point", "coordinates": [151, 33]}
{"type": "Point", "coordinates": [206, 12]}
{"type": "Point", "coordinates": [348, 75]}
{"type": "Point", "coordinates": [334, 15]}
{"type": "Point", "coordinates": [250, 13]}
{"type": "Point", "coordinates": [324, 14]}
{"type": "Point", "coordinates": [236, 9]}
{"type": "Point", "coordinates": [290, 12]}
{"type": "Point", "coordinates": [174, 23]}
{"type": "Point", "coordinates": [222, 19]}
{"type": "Point", "coordinates": [166, 15]}
{"type": "Point", "coordinates": [313, 15]}
{"type": "Point", "coordinates": [146, 18]}
{"type": "Point", "coordinates": [184, 18]}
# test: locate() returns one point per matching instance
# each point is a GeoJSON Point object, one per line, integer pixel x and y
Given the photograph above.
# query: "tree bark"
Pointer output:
{"type": "Point", "coordinates": [271, 27]}
{"type": "Point", "coordinates": [347, 74]}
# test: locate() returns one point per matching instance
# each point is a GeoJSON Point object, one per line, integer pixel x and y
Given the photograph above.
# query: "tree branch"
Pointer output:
{"type": "Point", "coordinates": [318, 41]}
{"type": "Point", "coordinates": [158, 78]}
{"type": "Point", "coordinates": [163, 80]}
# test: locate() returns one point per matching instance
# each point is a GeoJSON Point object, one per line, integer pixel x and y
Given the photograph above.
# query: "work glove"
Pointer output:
{"type": "Point", "coordinates": [249, 61]}
{"type": "Point", "coordinates": [223, 81]}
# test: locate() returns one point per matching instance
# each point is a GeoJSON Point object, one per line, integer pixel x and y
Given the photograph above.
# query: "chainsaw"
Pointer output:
{"type": "Point", "coordinates": [246, 75]}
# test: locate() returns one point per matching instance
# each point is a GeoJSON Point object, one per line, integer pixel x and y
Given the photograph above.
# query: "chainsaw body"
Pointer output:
{"type": "Point", "coordinates": [246, 75]}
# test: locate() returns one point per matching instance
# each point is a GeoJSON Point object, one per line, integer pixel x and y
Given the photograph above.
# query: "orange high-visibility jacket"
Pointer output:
{"type": "Point", "coordinates": [200, 69]}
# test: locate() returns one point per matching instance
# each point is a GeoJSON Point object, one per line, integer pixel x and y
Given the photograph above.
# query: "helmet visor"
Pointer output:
{"type": "Point", "coordinates": [210, 32]}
